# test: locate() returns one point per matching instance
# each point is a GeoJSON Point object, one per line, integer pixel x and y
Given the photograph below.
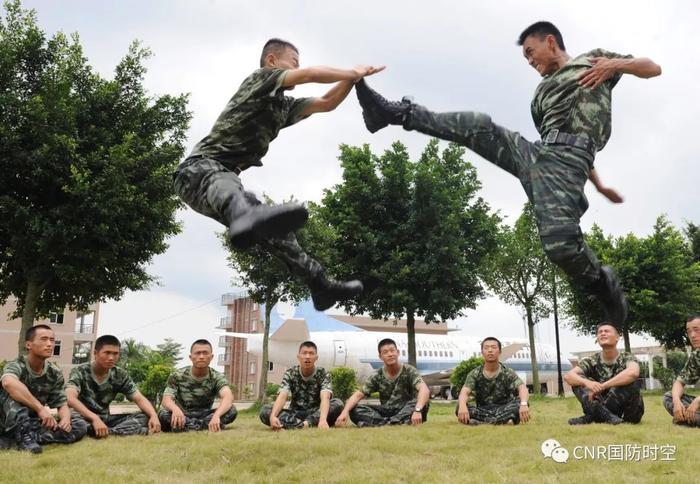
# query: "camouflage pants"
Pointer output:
{"type": "Point", "coordinates": [208, 187]}
{"type": "Point", "coordinates": [196, 419]}
{"type": "Point", "coordinates": [553, 177]}
{"type": "Point", "coordinates": [124, 424]}
{"type": "Point", "coordinates": [378, 415]}
{"type": "Point", "coordinates": [494, 413]}
{"type": "Point", "coordinates": [295, 418]}
{"type": "Point", "coordinates": [14, 416]}
{"type": "Point", "coordinates": [687, 400]}
{"type": "Point", "coordinates": [625, 402]}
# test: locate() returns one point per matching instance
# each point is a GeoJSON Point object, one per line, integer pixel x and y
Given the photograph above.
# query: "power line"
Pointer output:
{"type": "Point", "coordinates": [167, 317]}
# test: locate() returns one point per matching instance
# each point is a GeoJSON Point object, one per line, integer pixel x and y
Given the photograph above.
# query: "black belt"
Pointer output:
{"type": "Point", "coordinates": [237, 170]}
{"type": "Point", "coordinates": [556, 137]}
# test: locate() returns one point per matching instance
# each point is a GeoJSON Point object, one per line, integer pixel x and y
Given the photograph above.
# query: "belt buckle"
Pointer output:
{"type": "Point", "coordinates": [551, 137]}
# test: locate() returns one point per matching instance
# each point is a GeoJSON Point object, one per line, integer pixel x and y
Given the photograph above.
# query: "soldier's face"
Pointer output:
{"type": "Point", "coordinates": [389, 354]}
{"type": "Point", "coordinates": [607, 335]}
{"type": "Point", "coordinates": [42, 344]}
{"type": "Point", "coordinates": [490, 351]}
{"type": "Point", "coordinates": [107, 356]}
{"type": "Point", "coordinates": [307, 357]}
{"type": "Point", "coordinates": [201, 356]}
{"type": "Point", "coordinates": [288, 59]}
{"type": "Point", "coordinates": [692, 329]}
{"type": "Point", "coordinates": [541, 53]}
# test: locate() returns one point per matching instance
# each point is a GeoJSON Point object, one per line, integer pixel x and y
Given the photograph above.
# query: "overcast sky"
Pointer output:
{"type": "Point", "coordinates": [449, 56]}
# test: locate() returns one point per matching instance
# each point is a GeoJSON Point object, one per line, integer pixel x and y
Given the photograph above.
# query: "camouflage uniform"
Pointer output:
{"type": "Point", "coordinates": [208, 179]}
{"type": "Point", "coordinates": [625, 402]}
{"type": "Point", "coordinates": [97, 396]}
{"type": "Point", "coordinates": [46, 387]}
{"type": "Point", "coordinates": [195, 397]}
{"type": "Point", "coordinates": [496, 397]}
{"type": "Point", "coordinates": [688, 376]}
{"type": "Point", "coordinates": [553, 175]}
{"type": "Point", "coordinates": [305, 399]}
{"type": "Point", "coordinates": [397, 399]}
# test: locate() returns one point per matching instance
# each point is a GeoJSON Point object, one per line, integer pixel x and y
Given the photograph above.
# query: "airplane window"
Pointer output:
{"type": "Point", "coordinates": [420, 353]}
{"type": "Point", "coordinates": [450, 354]}
{"type": "Point", "coordinates": [441, 353]}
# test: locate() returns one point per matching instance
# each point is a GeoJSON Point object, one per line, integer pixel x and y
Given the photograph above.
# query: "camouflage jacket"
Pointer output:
{"type": "Point", "coordinates": [192, 393]}
{"type": "Point", "coordinates": [498, 390]}
{"type": "Point", "coordinates": [397, 392]}
{"type": "Point", "coordinates": [594, 368]}
{"type": "Point", "coordinates": [47, 387]}
{"type": "Point", "coordinates": [95, 395]}
{"type": "Point", "coordinates": [691, 371]}
{"type": "Point", "coordinates": [561, 103]}
{"type": "Point", "coordinates": [251, 120]}
{"type": "Point", "coordinates": [305, 391]}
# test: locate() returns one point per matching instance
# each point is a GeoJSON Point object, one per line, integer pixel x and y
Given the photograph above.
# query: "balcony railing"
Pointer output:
{"type": "Point", "coordinates": [224, 341]}
{"type": "Point", "coordinates": [84, 328]}
{"type": "Point", "coordinates": [224, 360]}
{"type": "Point", "coordinates": [231, 297]}
{"type": "Point", "coordinates": [226, 323]}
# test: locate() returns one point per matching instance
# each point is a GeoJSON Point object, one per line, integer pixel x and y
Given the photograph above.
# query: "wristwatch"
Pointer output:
{"type": "Point", "coordinates": [523, 403]}
{"type": "Point", "coordinates": [417, 409]}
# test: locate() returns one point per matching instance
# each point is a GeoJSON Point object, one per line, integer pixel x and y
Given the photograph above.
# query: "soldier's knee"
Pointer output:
{"type": "Point", "coordinates": [79, 428]}
{"type": "Point", "coordinates": [265, 414]}
{"type": "Point", "coordinates": [231, 414]}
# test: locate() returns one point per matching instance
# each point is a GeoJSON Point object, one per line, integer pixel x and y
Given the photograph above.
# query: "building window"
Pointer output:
{"type": "Point", "coordinates": [403, 352]}
{"type": "Point", "coordinates": [253, 325]}
{"type": "Point", "coordinates": [84, 324]}
{"type": "Point", "coordinates": [252, 367]}
{"type": "Point", "coordinates": [56, 318]}
{"type": "Point", "coordinates": [420, 353]}
{"type": "Point", "coordinates": [270, 366]}
{"type": "Point", "coordinates": [57, 348]}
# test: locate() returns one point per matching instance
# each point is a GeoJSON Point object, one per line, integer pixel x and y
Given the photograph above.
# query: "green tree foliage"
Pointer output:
{"type": "Point", "coordinates": [154, 384]}
{"type": "Point", "coordinates": [139, 360]}
{"type": "Point", "coordinates": [414, 232]}
{"type": "Point", "coordinates": [459, 374]}
{"type": "Point", "coordinates": [692, 231]}
{"type": "Point", "coordinates": [660, 278]}
{"type": "Point", "coordinates": [2, 366]}
{"type": "Point", "coordinates": [85, 164]}
{"type": "Point", "coordinates": [344, 381]}
{"type": "Point", "coordinates": [170, 351]}
{"type": "Point", "coordinates": [272, 390]}
{"type": "Point", "coordinates": [520, 274]}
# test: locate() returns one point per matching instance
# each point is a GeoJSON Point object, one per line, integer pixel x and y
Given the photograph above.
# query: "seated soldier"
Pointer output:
{"type": "Point", "coordinates": [30, 384]}
{"type": "Point", "coordinates": [310, 388]}
{"type": "Point", "coordinates": [190, 393]}
{"type": "Point", "coordinates": [606, 383]}
{"type": "Point", "coordinates": [93, 386]}
{"type": "Point", "coordinates": [682, 406]}
{"type": "Point", "coordinates": [501, 396]}
{"type": "Point", "coordinates": [402, 393]}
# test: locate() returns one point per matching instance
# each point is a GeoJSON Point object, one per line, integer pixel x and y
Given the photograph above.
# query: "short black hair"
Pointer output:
{"type": "Point", "coordinates": [692, 317]}
{"type": "Point", "coordinates": [275, 46]}
{"type": "Point", "coordinates": [542, 29]}
{"type": "Point", "coordinates": [107, 340]}
{"type": "Point", "coordinates": [385, 342]}
{"type": "Point", "coordinates": [607, 324]}
{"type": "Point", "coordinates": [201, 342]}
{"type": "Point", "coordinates": [308, 344]}
{"type": "Point", "coordinates": [491, 338]}
{"type": "Point", "coordinates": [29, 334]}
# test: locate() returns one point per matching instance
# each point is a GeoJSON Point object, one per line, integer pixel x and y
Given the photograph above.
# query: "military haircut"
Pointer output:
{"type": "Point", "coordinates": [491, 338]}
{"type": "Point", "coordinates": [692, 317]}
{"type": "Point", "coordinates": [385, 342]}
{"type": "Point", "coordinates": [541, 29]}
{"type": "Point", "coordinates": [275, 46]}
{"type": "Point", "coordinates": [107, 340]}
{"type": "Point", "coordinates": [201, 342]}
{"type": "Point", "coordinates": [308, 344]}
{"type": "Point", "coordinates": [29, 334]}
{"type": "Point", "coordinates": [617, 330]}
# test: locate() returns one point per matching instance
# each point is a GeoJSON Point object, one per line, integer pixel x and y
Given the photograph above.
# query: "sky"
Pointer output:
{"type": "Point", "coordinates": [449, 56]}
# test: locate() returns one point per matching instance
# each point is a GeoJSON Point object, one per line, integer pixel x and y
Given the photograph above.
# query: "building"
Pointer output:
{"type": "Point", "coordinates": [75, 334]}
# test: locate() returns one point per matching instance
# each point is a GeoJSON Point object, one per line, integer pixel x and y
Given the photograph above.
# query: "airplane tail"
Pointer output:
{"type": "Point", "coordinates": [292, 330]}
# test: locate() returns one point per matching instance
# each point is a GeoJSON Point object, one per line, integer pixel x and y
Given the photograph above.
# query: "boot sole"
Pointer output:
{"type": "Point", "coordinates": [326, 303]}
{"type": "Point", "coordinates": [245, 231]}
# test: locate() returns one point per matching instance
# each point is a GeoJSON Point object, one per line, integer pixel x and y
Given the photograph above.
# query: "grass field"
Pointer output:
{"type": "Point", "coordinates": [439, 451]}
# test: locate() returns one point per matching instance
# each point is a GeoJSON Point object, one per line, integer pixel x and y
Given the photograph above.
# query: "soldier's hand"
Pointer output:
{"type": "Point", "coordinates": [611, 194]}
{"type": "Point", "coordinates": [323, 424]}
{"type": "Point", "coordinates": [524, 413]}
{"type": "Point", "coordinates": [678, 412]}
{"type": "Point", "coordinates": [342, 420]}
{"type": "Point", "coordinates": [47, 419]}
{"type": "Point", "coordinates": [690, 411]}
{"type": "Point", "coordinates": [215, 424]}
{"type": "Point", "coordinates": [416, 418]}
{"type": "Point", "coordinates": [364, 71]}
{"type": "Point", "coordinates": [100, 428]}
{"type": "Point", "coordinates": [594, 388]}
{"type": "Point", "coordinates": [463, 415]}
{"type": "Point", "coordinates": [177, 421]}
{"type": "Point", "coordinates": [153, 425]}
{"type": "Point", "coordinates": [275, 423]}
{"type": "Point", "coordinates": [602, 70]}
{"type": "Point", "coordinates": [64, 424]}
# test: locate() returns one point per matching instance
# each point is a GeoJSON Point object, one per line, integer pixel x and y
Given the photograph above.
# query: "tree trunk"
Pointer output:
{"type": "Point", "coordinates": [533, 353]}
{"type": "Point", "coordinates": [262, 387]}
{"type": "Point", "coordinates": [28, 313]}
{"type": "Point", "coordinates": [411, 330]}
{"type": "Point", "coordinates": [626, 337]}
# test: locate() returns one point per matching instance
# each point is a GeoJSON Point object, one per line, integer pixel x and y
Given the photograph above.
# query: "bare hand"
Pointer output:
{"type": "Point", "coordinates": [463, 415]}
{"type": "Point", "coordinates": [595, 389]}
{"type": "Point", "coordinates": [47, 419]}
{"type": "Point", "coordinates": [524, 413]}
{"type": "Point", "coordinates": [100, 428]}
{"type": "Point", "coordinates": [342, 420]}
{"type": "Point", "coordinates": [323, 424]}
{"type": "Point", "coordinates": [64, 424]}
{"type": "Point", "coordinates": [153, 425]}
{"type": "Point", "coordinates": [690, 411]}
{"type": "Point", "coordinates": [416, 418]}
{"type": "Point", "coordinates": [275, 423]}
{"type": "Point", "coordinates": [215, 423]}
{"type": "Point", "coordinates": [678, 412]}
{"type": "Point", "coordinates": [364, 71]}
{"type": "Point", "coordinates": [177, 421]}
{"type": "Point", "coordinates": [611, 194]}
{"type": "Point", "coordinates": [602, 70]}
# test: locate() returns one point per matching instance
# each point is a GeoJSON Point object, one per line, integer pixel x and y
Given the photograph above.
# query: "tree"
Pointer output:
{"type": "Point", "coordinates": [344, 381]}
{"type": "Point", "coordinates": [154, 384]}
{"type": "Point", "coordinates": [520, 274]}
{"type": "Point", "coordinates": [414, 233]}
{"type": "Point", "coordinates": [85, 165]}
{"type": "Point", "coordinates": [459, 374]}
{"type": "Point", "coordinates": [170, 350]}
{"type": "Point", "coordinates": [660, 278]}
{"type": "Point", "coordinates": [692, 232]}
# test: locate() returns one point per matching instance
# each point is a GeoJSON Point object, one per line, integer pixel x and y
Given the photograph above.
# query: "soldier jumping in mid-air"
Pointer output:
{"type": "Point", "coordinates": [571, 110]}
{"type": "Point", "coordinates": [208, 179]}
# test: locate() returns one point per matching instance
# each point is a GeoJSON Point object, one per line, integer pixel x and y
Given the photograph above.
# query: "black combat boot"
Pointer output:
{"type": "Point", "coordinates": [377, 111]}
{"type": "Point", "coordinates": [582, 420]}
{"type": "Point", "coordinates": [611, 297]}
{"type": "Point", "coordinates": [249, 223]}
{"type": "Point", "coordinates": [326, 292]}
{"type": "Point", "coordinates": [26, 438]}
{"type": "Point", "coordinates": [6, 442]}
{"type": "Point", "coordinates": [601, 414]}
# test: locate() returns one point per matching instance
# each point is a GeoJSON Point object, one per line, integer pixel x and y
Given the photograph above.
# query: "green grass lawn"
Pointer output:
{"type": "Point", "coordinates": [441, 450]}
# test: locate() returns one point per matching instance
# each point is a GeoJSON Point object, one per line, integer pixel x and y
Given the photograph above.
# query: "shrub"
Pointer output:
{"type": "Point", "coordinates": [462, 370]}
{"type": "Point", "coordinates": [272, 390]}
{"type": "Point", "coordinates": [344, 382]}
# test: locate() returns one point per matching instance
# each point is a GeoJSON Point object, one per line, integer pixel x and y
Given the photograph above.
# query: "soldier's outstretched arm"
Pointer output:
{"type": "Point", "coordinates": [177, 419]}
{"type": "Point", "coordinates": [609, 193]}
{"type": "Point", "coordinates": [225, 404]}
{"type": "Point", "coordinates": [524, 410]}
{"type": "Point", "coordinates": [64, 418]}
{"type": "Point", "coordinates": [325, 407]}
{"type": "Point", "coordinates": [678, 407]}
{"type": "Point", "coordinates": [327, 75]}
{"type": "Point", "coordinates": [147, 408]}
{"type": "Point", "coordinates": [19, 392]}
{"type": "Point", "coordinates": [604, 68]}
{"type": "Point", "coordinates": [74, 402]}
{"type": "Point", "coordinates": [352, 402]}
{"type": "Point", "coordinates": [462, 410]}
{"type": "Point", "coordinates": [281, 399]}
